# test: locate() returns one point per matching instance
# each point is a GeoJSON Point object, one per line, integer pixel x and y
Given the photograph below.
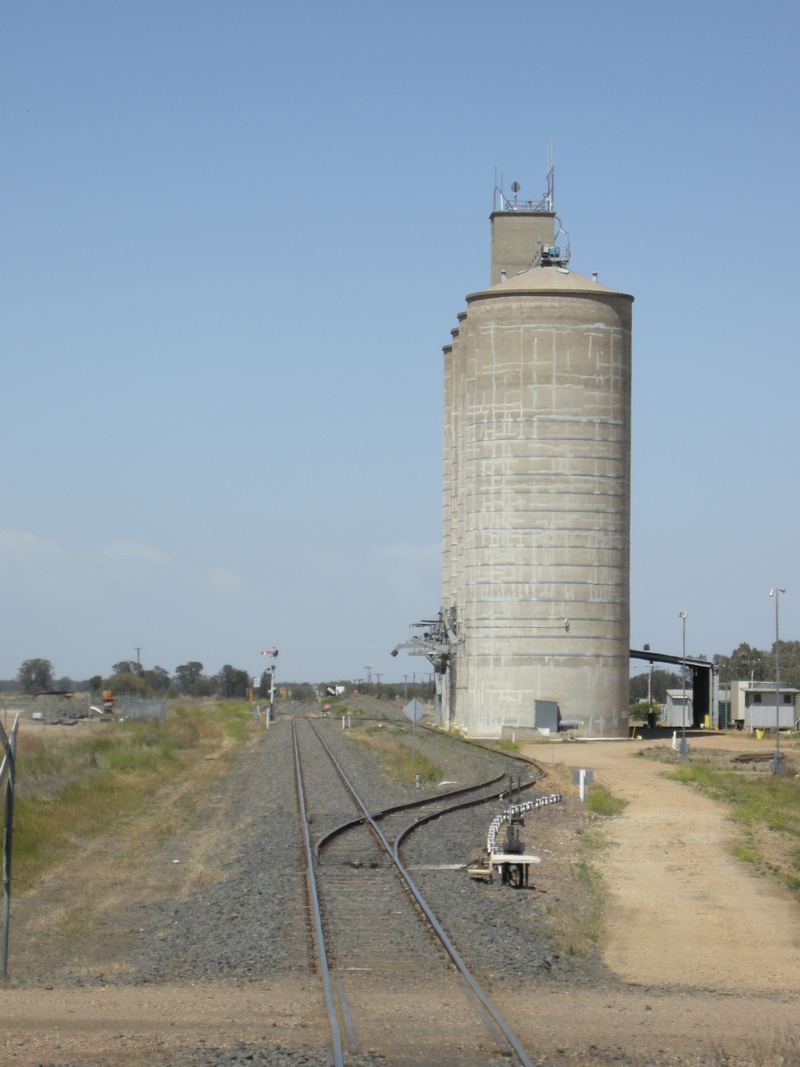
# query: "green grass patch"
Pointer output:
{"type": "Point", "coordinates": [744, 851]}
{"type": "Point", "coordinates": [602, 801]}
{"type": "Point", "coordinates": [659, 753]}
{"type": "Point", "coordinates": [502, 744]}
{"type": "Point", "coordinates": [393, 750]}
{"type": "Point", "coordinates": [772, 799]}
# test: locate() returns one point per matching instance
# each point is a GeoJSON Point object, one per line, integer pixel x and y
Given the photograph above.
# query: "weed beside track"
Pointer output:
{"type": "Point", "coordinates": [393, 751]}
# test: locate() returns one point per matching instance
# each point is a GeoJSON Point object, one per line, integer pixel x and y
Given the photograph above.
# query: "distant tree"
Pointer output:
{"type": "Point", "coordinates": [186, 674]}
{"type": "Point", "coordinates": [744, 660]}
{"type": "Point", "coordinates": [95, 682]}
{"type": "Point", "coordinates": [128, 666]}
{"type": "Point", "coordinates": [35, 675]}
{"type": "Point", "coordinates": [203, 686]}
{"type": "Point", "coordinates": [662, 681]}
{"type": "Point", "coordinates": [158, 679]}
{"type": "Point", "coordinates": [790, 663]}
{"type": "Point", "coordinates": [233, 682]}
{"type": "Point", "coordinates": [640, 711]}
{"type": "Point", "coordinates": [128, 683]}
{"type": "Point", "coordinates": [303, 691]}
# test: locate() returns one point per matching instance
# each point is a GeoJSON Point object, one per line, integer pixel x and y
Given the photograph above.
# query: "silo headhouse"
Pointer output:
{"type": "Point", "coordinates": [537, 450]}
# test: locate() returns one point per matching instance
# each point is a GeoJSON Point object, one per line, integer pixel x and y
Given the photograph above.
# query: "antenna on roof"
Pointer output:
{"type": "Point", "coordinates": [551, 170]}
{"type": "Point", "coordinates": [498, 192]}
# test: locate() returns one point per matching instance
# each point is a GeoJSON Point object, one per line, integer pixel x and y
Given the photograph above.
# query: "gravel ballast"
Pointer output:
{"type": "Point", "coordinates": [252, 924]}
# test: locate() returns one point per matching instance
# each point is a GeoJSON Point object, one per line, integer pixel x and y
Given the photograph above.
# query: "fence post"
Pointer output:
{"type": "Point", "coordinates": [10, 747]}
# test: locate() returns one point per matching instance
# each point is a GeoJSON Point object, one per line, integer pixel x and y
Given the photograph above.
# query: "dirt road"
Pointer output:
{"type": "Point", "coordinates": [685, 913]}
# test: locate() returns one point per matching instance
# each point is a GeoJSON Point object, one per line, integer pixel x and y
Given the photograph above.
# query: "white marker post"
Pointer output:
{"type": "Point", "coordinates": [582, 777]}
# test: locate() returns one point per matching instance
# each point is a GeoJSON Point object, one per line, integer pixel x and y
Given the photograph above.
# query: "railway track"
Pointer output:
{"type": "Point", "coordinates": [480, 793]}
{"type": "Point", "coordinates": [377, 939]}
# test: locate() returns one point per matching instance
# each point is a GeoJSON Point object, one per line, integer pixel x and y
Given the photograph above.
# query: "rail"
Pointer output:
{"type": "Point", "coordinates": [397, 808]}
{"type": "Point", "coordinates": [447, 944]}
{"type": "Point", "coordinates": [314, 897]}
{"type": "Point", "coordinates": [351, 824]}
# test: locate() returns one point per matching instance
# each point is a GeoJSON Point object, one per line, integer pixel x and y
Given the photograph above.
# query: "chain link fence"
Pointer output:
{"type": "Point", "coordinates": [135, 707]}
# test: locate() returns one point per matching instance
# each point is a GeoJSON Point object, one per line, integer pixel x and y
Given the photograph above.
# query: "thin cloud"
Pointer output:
{"type": "Point", "coordinates": [134, 550]}
{"type": "Point", "coordinates": [26, 548]}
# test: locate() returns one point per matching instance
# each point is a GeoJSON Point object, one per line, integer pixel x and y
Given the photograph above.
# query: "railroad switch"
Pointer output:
{"type": "Point", "coordinates": [512, 843]}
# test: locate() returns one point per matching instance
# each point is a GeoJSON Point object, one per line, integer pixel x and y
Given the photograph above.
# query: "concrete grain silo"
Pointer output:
{"type": "Point", "coordinates": [536, 491]}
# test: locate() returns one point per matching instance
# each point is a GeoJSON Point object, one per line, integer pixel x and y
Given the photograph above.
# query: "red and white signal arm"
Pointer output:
{"type": "Point", "coordinates": [270, 652]}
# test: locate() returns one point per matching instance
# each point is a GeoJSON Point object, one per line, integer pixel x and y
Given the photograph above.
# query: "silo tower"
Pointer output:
{"type": "Point", "coordinates": [537, 428]}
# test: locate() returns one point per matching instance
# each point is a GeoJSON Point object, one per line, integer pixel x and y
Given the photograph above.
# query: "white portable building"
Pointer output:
{"type": "Point", "coordinates": [676, 711]}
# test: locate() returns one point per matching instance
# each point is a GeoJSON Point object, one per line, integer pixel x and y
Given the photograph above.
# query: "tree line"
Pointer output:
{"type": "Point", "coordinates": [129, 676]}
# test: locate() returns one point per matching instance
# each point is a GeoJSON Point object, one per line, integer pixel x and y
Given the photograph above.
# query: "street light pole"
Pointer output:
{"type": "Point", "coordinates": [684, 746]}
{"type": "Point", "coordinates": [777, 763]}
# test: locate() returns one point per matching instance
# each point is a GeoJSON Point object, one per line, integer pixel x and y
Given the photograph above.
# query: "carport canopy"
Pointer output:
{"type": "Point", "coordinates": [702, 681]}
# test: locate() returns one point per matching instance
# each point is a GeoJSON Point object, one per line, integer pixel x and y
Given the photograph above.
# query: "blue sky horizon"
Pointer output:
{"type": "Point", "coordinates": [236, 238]}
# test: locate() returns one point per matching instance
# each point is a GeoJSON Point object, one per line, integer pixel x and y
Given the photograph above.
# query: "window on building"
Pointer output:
{"type": "Point", "coordinates": [756, 698]}
{"type": "Point", "coordinates": [787, 698]}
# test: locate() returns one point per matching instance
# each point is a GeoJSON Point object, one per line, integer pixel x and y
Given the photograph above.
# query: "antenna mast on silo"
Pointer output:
{"type": "Point", "coordinates": [551, 177]}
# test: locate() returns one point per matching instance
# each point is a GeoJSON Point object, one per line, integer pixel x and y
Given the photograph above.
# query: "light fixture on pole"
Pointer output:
{"type": "Point", "coordinates": [776, 764]}
{"type": "Point", "coordinates": [684, 745]}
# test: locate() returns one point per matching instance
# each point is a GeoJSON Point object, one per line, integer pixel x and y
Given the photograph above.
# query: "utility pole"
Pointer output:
{"type": "Point", "coordinates": [777, 763]}
{"type": "Point", "coordinates": [138, 661]}
{"type": "Point", "coordinates": [405, 687]}
{"type": "Point", "coordinates": [378, 691]}
{"type": "Point", "coordinates": [684, 746]}
{"type": "Point", "coordinates": [368, 669]}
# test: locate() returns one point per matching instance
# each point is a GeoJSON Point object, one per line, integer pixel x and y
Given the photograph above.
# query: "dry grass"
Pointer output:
{"type": "Point", "coordinates": [783, 1050]}
{"type": "Point", "coordinates": [577, 926]}
{"type": "Point", "coordinates": [92, 785]}
{"type": "Point", "coordinates": [100, 816]}
{"type": "Point", "coordinates": [765, 806]}
{"type": "Point", "coordinates": [392, 746]}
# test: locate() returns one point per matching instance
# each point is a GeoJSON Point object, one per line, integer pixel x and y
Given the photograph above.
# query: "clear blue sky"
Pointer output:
{"type": "Point", "coordinates": [235, 237]}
